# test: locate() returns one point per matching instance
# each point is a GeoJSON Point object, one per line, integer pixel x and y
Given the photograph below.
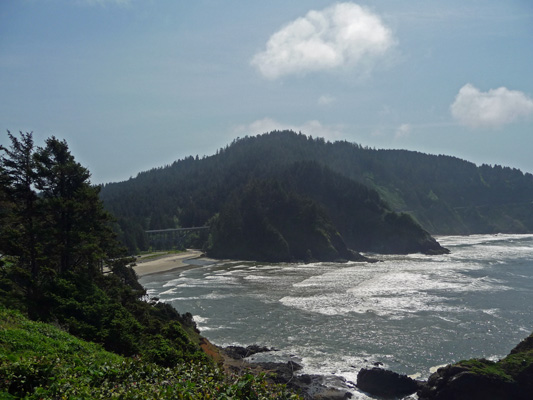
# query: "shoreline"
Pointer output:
{"type": "Point", "coordinates": [312, 386]}
{"type": "Point", "coordinates": [167, 263]}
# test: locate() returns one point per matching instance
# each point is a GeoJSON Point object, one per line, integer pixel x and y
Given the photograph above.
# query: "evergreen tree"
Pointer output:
{"type": "Point", "coordinates": [19, 225]}
{"type": "Point", "coordinates": [55, 239]}
{"type": "Point", "coordinates": [53, 220]}
{"type": "Point", "coordinates": [78, 234]}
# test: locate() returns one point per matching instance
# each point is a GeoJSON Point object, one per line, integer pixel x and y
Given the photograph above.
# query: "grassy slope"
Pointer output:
{"type": "Point", "coordinates": [40, 361]}
{"type": "Point", "coordinates": [509, 368]}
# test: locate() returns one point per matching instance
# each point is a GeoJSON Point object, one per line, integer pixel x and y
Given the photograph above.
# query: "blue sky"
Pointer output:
{"type": "Point", "coordinates": [137, 84]}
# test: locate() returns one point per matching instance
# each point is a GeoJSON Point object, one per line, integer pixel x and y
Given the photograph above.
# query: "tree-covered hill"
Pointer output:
{"type": "Point", "coordinates": [192, 191]}
{"type": "Point", "coordinates": [445, 195]}
{"type": "Point", "coordinates": [306, 211]}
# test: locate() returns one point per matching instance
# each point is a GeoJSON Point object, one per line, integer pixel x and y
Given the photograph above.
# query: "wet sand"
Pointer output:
{"type": "Point", "coordinates": [154, 264]}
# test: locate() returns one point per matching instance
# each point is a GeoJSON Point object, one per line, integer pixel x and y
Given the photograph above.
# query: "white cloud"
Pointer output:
{"type": "Point", "coordinates": [344, 34]}
{"type": "Point", "coordinates": [313, 128]}
{"type": "Point", "coordinates": [403, 131]}
{"type": "Point", "coordinates": [377, 132]}
{"type": "Point", "coordinates": [326, 100]}
{"type": "Point", "coordinates": [494, 108]}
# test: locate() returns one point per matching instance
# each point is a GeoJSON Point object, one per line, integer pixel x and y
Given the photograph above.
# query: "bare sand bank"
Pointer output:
{"type": "Point", "coordinates": [155, 264]}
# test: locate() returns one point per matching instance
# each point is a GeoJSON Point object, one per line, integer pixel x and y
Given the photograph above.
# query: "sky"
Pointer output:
{"type": "Point", "coordinates": [137, 84]}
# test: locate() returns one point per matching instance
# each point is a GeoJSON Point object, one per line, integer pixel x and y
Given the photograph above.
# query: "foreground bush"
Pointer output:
{"type": "Point", "coordinates": [39, 361]}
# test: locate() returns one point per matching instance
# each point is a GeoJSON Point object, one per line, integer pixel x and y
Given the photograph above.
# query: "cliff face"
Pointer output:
{"type": "Point", "coordinates": [508, 379]}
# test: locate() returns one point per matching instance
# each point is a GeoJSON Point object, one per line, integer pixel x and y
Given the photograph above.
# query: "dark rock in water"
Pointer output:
{"type": "Point", "coordinates": [238, 352]}
{"type": "Point", "coordinates": [454, 382]}
{"type": "Point", "coordinates": [386, 384]}
{"type": "Point", "coordinates": [319, 387]}
{"type": "Point", "coordinates": [282, 372]}
{"type": "Point", "coordinates": [436, 251]}
{"type": "Point", "coordinates": [352, 255]}
{"type": "Point", "coordinates": [311, 387]}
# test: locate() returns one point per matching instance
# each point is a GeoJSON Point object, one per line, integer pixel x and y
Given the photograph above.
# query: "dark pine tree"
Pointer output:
{"type": "Point", "coordinates": [19, 226]}
{"type": "Point", "coordinates": [78, 233]}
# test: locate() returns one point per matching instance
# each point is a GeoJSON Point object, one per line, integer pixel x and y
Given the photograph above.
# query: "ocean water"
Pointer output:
{"type": "Point", "coordinates": [410, 313]}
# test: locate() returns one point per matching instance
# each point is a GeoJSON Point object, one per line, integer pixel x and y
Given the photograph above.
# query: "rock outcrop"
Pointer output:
{"type": "Point", "coordinates": [385, 384]}
{"type": "Point", "coordinates": [311, 387]}
{"type": "Point", "coordinates": [511, 378]}
{"type": "Point", "coordinates": [458, 383]}
{"type": "Point", "coordinates": [238, 352]}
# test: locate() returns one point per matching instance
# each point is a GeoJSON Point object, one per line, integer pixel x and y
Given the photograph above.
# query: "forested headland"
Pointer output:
{"type": "Point", "coordinates": [255, 192]}
{"type": "Point", "coordinates": [61, 265]}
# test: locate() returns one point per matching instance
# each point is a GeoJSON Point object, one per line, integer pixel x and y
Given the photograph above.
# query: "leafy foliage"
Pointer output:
{"type": "Point", "coordinates": [39, 361]}
{"type": "Point", "coordinates": [515, 368]}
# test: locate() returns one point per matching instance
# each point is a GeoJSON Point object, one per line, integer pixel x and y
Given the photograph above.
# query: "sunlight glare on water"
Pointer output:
{"type": "Point", "coordinates": [410, 313]}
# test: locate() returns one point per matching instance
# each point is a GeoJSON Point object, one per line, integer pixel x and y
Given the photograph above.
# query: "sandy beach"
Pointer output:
{"type": "Point", "coordinates": [154, 264]}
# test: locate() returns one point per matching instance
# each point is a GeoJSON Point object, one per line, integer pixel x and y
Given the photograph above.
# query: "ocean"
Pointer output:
{"type": "Point", "coordinates": [408, 313]}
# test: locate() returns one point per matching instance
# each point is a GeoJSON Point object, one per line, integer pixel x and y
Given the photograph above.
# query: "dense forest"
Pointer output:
{"type": "Point", "coordinates": [366, 195]}
{"type": "Point", "coordinates": [61, 263]}
{"type": "Point", "coordinates": [308, 212]}
{"type": "Point", "coordinates": [60, 260]}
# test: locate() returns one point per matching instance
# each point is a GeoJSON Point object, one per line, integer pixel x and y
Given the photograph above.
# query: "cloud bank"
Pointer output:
{"type": "Point", "coordinates": [344, 34]}
{"type": "Point", "coordinates": [491, 109]}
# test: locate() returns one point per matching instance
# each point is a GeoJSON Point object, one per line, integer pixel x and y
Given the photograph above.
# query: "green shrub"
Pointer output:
{"type": "Point", "coordinates": [39, 361]}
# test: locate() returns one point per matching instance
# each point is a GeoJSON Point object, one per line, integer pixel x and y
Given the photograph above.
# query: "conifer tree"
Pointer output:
{"type": "Point", "coordinates": [78, 233]}
{"type": "Point", "coordinates": [53, 220]}
{"type": "Point", "coordinates": [19, 225]}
